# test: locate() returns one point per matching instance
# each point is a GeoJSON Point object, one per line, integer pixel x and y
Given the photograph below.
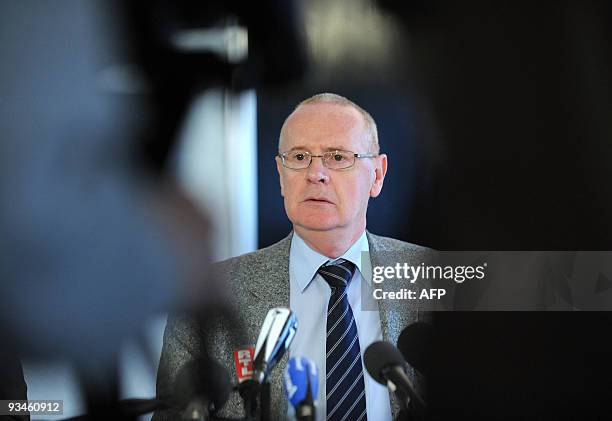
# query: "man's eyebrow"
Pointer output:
{"type": "Point", "coordinates": [297, 148]}
{"type": "Point", "coordinates": [327, 149]}
{"type": "Point", "coordinates": [336, 148]}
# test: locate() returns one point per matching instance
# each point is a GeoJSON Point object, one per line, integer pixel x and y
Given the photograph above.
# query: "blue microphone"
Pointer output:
{"type": "Point", "coordinates": [301, 384]}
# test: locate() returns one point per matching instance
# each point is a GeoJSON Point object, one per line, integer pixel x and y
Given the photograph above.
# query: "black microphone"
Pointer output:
{"type": "Point", "coordinates": [414, 343]}
{"type": "Point", "coordinates": [386, 365]}
{"type": "Point", "coordinates": [201, 388]}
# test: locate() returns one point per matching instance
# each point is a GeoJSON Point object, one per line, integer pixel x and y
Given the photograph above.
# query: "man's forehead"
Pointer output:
{"type": "Point", "coordinates": [323, 122]}
{"type": "Point", "coordinates": [325, 114]}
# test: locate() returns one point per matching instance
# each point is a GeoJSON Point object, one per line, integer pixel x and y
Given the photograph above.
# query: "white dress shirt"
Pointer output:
{"type": "Point", "coordinates": [308, 298]}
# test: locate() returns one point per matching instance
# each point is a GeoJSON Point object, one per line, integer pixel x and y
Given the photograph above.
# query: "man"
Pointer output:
{"type": "Point", "coordinates": [329, 166]}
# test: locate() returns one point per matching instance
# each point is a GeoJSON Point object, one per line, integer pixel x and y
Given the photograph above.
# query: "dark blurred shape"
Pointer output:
{"type": "Point", "coordinates": [522, 96]}
{"type": "Point", "coordinates": [12, 382]}
{"type": "Point", "coordinates": [202, 385]}
{"type": "Point", "coordinates": [93, 241]}
{"type": "Point", "coordinates": [135, 407]}
{"type": "Point", "coordinates": [414, 343]}
{"type": "Point", "coordinates": [525, 365]}
{"type": "Point", "coordinates": [89, 251]}
{"type": "Point", "coordinates": [179, 61]}
{"type": "Point", "coordinates": [97, 237]}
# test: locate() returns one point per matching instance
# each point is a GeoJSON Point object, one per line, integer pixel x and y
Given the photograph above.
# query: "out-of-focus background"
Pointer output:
{"type": "Point", "coordinates": [138, 142]}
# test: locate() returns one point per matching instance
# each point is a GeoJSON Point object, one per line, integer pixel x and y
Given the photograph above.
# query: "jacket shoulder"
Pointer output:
{"type": "Point", "coordinates": [380, 243]}
{"type": "Point", "coordinates": [259, 259]}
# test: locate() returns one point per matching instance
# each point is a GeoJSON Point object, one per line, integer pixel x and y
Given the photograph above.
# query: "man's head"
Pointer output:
{"type": "Point", "coordinates": [320, 200]}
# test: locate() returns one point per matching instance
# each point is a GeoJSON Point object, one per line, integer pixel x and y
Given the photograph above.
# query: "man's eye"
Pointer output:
{"type": "Point", "coordinates": [299, 156]}
{"type": "Point", "coordinates": [338, 157]}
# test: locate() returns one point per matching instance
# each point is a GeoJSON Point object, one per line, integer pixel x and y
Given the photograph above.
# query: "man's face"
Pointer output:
{"type": "Point", "coordinates": [318, 198]}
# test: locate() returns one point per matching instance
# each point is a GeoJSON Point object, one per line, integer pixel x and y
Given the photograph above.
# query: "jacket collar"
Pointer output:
{"type": "Point", "coordinates": [277, 264]}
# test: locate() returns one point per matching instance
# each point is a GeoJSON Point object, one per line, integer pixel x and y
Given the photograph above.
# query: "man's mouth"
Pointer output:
{"type": "Point", "coordinates": [318, 200]}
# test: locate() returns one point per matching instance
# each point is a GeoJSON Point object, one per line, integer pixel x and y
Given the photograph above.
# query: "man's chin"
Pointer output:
{"type": "Point", "coordinates": [316, 225]}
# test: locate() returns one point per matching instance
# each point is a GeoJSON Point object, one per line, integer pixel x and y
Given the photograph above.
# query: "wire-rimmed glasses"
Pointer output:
{"type": "Point", "coordinates": [335, 160]}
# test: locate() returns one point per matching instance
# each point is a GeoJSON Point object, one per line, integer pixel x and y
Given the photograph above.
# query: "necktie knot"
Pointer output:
{"type": "Point", "coordinates": [337, 274]}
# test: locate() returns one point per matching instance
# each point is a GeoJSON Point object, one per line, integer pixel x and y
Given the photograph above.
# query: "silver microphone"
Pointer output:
{"type": "Point", "coordinates": [277, 333]}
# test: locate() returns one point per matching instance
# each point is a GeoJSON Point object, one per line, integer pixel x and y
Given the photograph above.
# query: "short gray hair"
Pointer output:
{"type": "Point", "coordinates": [329, 98]}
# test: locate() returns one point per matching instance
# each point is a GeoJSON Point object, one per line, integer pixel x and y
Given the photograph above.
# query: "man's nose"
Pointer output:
{"type": "Point", "coordinates": [317, 172]}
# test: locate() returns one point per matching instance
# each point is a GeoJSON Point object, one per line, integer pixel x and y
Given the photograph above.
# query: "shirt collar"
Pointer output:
{"type": "Point", "coordinates": [304, 261]}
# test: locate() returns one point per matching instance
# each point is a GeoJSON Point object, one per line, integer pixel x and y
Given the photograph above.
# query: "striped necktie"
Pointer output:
{"type": "Point", "coordinates": [345, 387]}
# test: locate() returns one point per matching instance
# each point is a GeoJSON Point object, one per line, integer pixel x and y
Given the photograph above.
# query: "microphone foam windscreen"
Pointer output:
{"type": "Point", "coordinates": [379, 356]}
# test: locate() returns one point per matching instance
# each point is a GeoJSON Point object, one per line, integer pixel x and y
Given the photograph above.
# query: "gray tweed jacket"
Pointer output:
{"type": "Point", "coordinates": [259, 281]}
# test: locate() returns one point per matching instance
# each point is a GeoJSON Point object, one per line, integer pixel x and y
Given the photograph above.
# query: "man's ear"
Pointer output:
{"type": "Point", "coordinates": [380, 170]}
{"type": "Point", "coordinates": [279, 168]}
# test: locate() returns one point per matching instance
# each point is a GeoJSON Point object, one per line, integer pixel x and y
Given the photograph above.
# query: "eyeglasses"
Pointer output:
{"type": "Point", "coordinates": [334, 160]}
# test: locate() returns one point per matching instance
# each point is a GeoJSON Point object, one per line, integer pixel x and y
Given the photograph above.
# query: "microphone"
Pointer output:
{"type": "Point", "coordinates": [386, 365]}
{"type": "Point", "coordinates": [413, 343]}
{"type": "Point", "coordinates": [201, 388]}
{"type": "Point", "coordinates": [277, 333]}
{"type": "Point", "coordinates": [301, 384]}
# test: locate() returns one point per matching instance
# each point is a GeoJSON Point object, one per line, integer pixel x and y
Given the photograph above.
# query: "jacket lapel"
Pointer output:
{"type": "Point", "coordinates": [392, 318]}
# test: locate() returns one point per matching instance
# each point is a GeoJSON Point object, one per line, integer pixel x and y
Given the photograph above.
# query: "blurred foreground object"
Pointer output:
{"type": "Point", "coordinates": [523, 99]}
{"type": "Point", "coordinates": [96, 236]}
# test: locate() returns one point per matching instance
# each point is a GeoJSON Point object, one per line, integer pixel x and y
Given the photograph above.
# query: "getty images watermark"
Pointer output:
{"type": "Point", "coordinates": [411, 274]}
{"type": "Point", "coordinates": [487, 280]}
